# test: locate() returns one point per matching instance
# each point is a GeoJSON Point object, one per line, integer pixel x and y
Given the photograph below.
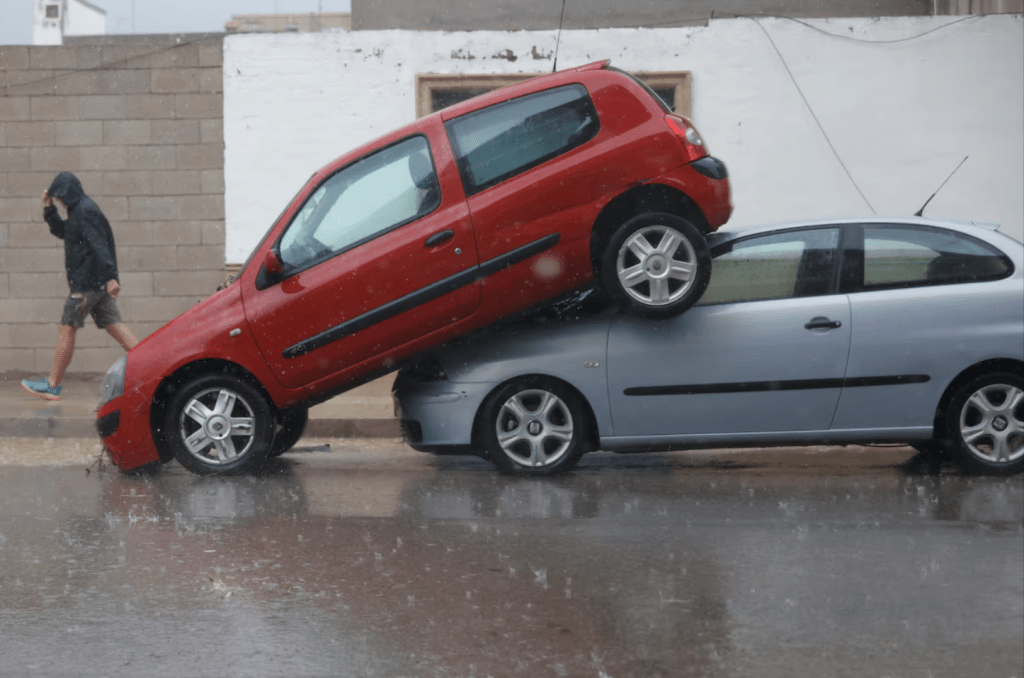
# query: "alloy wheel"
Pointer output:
{"type": "Point", "coordinates": [535, 428]}
{"type": "Point", "coordinates": [656, 265]}
{"type": "Point", "coordinates": [217, 426]}
{"type": "Point", "coordinates": [992, 423]}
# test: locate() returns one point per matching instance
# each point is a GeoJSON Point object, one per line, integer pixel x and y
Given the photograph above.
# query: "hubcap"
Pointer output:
{"type": "Point", "coordinates": [656, 265]}
{"type": "Point", "coordinates": [535, 428]}
{"type": "Point", "coordinates": [217, 426]}
{"type": "Point", "coordinates": [992, 423]}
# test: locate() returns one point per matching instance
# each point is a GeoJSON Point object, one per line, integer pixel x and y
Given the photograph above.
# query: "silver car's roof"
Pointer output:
{"type": "Point", "coordinates": [731, 233]}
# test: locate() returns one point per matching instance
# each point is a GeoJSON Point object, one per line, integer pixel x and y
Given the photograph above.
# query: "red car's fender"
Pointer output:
{"type": "Point", "coordinates": [214, 330]}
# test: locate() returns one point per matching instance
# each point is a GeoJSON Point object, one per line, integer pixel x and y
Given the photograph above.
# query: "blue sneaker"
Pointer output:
{"type": "Point", "coordinates": [41, 388]}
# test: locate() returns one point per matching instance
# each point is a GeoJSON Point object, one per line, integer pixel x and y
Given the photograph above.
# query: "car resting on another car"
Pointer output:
{"type": "Point", "coordinates": [828, 332]}
{"type": "Point", "coordinates": [487, 209]}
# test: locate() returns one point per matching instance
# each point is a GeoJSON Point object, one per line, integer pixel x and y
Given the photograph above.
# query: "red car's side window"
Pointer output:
{"type": "Point", "coordinates": [496, 143]}
{"type": "Point", "coordinates": [370, 197]}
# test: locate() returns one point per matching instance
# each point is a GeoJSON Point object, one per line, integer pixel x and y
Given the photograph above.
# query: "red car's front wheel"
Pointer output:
{"type": "Point", "coordinates": [218, 423]}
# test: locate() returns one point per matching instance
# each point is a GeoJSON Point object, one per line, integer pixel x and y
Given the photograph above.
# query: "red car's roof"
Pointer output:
{"type": "Point", "coordinates": [541, 82]}
{"type": "Point", "coordinates": [519, 89]}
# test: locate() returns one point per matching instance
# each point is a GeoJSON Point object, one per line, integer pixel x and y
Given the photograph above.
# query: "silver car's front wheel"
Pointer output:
{"type": "Point", "coordinates": [534, 426]}
{"type": "Point", "coordinates": [989, 423]}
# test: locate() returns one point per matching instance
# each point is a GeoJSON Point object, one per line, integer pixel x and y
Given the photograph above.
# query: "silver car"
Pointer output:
{"type": "Point", "coordinates": [826, 332]}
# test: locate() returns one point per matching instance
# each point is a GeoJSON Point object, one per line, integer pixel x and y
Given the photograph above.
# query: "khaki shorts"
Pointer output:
{"type": "Point", "coordinates": [100, 304]}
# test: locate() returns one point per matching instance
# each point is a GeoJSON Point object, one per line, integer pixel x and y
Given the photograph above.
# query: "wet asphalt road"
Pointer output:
{"type": "Point", "coordinates": [373, 560]}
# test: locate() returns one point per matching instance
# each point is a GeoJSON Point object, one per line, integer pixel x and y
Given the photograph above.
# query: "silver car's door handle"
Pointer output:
{"type": "Point", "coordinates": [821, 323]}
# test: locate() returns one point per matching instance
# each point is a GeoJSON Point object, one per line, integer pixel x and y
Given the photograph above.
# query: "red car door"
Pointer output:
{"type": "Point", "coordinates": [537, 170]}
{"type": "Point", "coordinates": [380, 254]}
{"type": "Point", "coordinates": [526, 167]}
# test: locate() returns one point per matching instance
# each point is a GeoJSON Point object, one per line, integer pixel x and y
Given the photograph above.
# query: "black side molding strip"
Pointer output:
{"type": "Point", "coordinates": [790, 385]}
{"type": "Point", "coordinates": [492, 266]}
{"type": "Point", "coordinates": [421, 296]}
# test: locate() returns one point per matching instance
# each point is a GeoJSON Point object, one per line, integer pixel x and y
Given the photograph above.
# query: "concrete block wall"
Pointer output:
{"type": "Point", "coordinates": [139, 119]}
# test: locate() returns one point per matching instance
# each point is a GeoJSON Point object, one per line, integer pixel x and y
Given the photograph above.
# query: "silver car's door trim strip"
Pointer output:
{"type": "Point", "coordinates": [421, 296]}
{"type": "Point", "coordinates": [786, 385]}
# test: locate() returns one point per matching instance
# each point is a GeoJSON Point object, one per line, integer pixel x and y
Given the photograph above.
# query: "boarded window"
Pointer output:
{"type": "Point", "coordinates": [434, 91]}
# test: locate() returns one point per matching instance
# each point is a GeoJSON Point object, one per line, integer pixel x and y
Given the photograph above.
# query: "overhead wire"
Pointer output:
{"type": "Point", "coordinates": [112, 66]}
{"type": "Point", "coordinates": [840, 36]}
{"type": "Point", "coordinates": [815, 116]}
{"type": "Point", "coordinates": [879, 42]}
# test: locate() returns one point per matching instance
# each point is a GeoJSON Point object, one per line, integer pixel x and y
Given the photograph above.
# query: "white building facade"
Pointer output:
{"type": "Point", "coordinates": [900, 100]}
{"type": "Point", "coordinates": [53, 20]}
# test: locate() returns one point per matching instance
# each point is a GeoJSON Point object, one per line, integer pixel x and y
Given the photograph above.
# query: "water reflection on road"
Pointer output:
{"type": "Point", "coordinates": [655, 565]}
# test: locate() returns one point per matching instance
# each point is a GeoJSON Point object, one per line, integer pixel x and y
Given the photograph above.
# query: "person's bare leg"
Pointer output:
{"type": "Point", "coordinates": [62, 356]}
{"type": "Point", "coordinates": [123, 335]}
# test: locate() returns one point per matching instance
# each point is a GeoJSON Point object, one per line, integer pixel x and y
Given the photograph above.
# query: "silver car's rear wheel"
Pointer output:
{"type": "Point", "coordinates": [534, 425]}
{"type": "Point", "coordinates": [987, 416]}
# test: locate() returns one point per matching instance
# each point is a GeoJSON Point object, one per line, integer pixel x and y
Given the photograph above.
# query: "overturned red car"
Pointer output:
{"type": "Point", "coordinates": [481, 211]}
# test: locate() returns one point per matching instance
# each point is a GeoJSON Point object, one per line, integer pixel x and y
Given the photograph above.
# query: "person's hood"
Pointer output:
{"type": "Point", "coordinates": [68, 188]}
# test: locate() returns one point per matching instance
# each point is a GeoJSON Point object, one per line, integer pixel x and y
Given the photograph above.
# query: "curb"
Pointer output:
{"type": "Point", "coordinates": [365, 412]}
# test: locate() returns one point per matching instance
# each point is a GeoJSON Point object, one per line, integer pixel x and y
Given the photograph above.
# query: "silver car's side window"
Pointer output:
{"type": "Point", "coordinates": [913, 256]}
{"type": "Point", "coordinates": [364, 200]}
{"type": "Point", "coordinates": [792, 264]}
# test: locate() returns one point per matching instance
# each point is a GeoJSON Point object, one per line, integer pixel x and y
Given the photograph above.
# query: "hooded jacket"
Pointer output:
{"type": "Point", "coordinates": [89, 256]}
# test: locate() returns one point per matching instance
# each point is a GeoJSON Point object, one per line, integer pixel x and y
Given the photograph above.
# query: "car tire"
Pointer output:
{"type": "Point", "coordinates": [219, 424]}
{"type": "Point", "coordinates": [291, 425]}
{"type": "Point", "coordinates": [534, 426]}
{"type": "Point", "coordinates": [656, 265]}
{"type": "Point", "coordinates": [985, 422]}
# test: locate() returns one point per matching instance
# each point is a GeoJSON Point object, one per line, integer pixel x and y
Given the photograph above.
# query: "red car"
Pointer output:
{"type": "Point", "coordinates": [480, 211]}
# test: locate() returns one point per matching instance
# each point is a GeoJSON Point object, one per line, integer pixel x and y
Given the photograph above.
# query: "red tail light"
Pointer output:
{"type": "Point", "coordinates": [693, 144]}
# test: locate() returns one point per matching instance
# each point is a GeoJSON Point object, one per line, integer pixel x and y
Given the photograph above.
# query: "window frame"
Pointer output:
{"type": "Point", "coordinates": [426, 83]}
{"type": "Point", "coordinates": [855, 261]}
{"type": "Point", "coordinates": [316, 261]}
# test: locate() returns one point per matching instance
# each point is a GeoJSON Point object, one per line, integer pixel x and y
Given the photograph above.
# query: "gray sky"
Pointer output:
{"type": "Point", "coordinates": [160, 16]}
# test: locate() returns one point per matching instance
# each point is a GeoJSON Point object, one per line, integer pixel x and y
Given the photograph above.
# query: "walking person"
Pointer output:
{"type": "Point", "coordinates": [91, 264]}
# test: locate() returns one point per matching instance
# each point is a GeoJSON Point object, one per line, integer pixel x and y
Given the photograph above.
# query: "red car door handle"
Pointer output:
{"type": "Point", "coordinates": [820, 323]}
{"type": "Point", "coordinates": [438, 238]}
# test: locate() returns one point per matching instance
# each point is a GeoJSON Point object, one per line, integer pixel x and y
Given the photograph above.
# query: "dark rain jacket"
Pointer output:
{"type": "Point", "coordinates": [89, 256]}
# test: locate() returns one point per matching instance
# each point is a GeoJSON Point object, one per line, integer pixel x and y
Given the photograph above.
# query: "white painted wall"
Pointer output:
{"type": "Point", "coordinates": [85, 19]}
{"type": "Point", "coordinates": [74, 18]}
{"type": "Point", "coordinates": [900, 114]}
{"type": "Point", "coordinates": [47, 31]}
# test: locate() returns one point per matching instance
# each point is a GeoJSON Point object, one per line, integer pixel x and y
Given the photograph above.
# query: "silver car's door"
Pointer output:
{"type": "Point", "coordinates": [927, 303]}
{"type": "Point", "coordinates": [765, 350]}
